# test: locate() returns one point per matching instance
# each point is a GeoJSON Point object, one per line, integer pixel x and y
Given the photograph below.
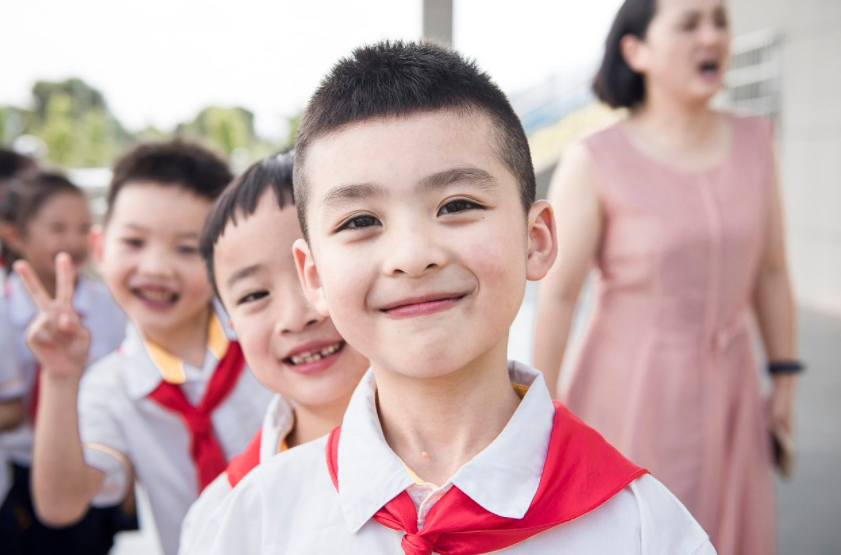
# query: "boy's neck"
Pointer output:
{"type": "Point", "coordinates": [436, 425]}
{"type": "Point", "coordinates": [187, 341]}
{"type": "Point", "coordinates": [313, 422]}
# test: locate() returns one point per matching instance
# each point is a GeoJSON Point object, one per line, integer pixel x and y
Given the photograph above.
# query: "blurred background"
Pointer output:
{"type": "Point", "coordinates": [83, 80]}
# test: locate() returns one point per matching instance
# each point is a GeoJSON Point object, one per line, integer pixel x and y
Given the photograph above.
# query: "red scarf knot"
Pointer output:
{"type": "Point", "coordinates": [205, 450]}
{"type": "Point", "coordinates": [415, 544]}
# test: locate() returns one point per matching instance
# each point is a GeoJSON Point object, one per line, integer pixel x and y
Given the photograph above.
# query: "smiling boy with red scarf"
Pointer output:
{"type": "Point", "coordinates": [416, 194]}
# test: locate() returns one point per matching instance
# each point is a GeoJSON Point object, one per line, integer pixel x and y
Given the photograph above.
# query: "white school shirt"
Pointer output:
{"type": "Point", "coordinates": [12, 386]}
{"type": "Point", "coordinates": [127, 435]}
{"type": "Point", "coordinates": [99, 313]}
{"type": "Point", "coordinates": [277, 424]}
{"type": "Point", "coordinates": [289, 504]}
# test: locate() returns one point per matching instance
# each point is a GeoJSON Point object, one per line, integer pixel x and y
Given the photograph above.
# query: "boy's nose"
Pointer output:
{"type": "Point", "coordinates": [296, 314]}
{"type": "Point", "coordinates": [156, 263]}
{"type": "Point", "coordinates": [413, 251]}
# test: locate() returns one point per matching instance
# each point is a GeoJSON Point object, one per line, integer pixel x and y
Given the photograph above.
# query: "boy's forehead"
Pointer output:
{"type": "Point", "coordinates": [162, 206]}
{"type": "Point", "coordinates": [403, 150]}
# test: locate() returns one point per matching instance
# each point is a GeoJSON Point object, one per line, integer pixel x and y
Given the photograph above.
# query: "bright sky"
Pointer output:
{"type": "Point", "coordinates": [161, 61]}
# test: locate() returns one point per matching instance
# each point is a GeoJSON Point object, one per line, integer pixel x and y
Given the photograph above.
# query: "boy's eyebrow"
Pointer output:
{"type": "Point", "coordinates": [337, 196]}
{"type": "Point", "coordinates": [187, 234]}
{"type": "Point", "coordinates": [243, 273]}
{"type": "Point", "coordinates": [467, 174]}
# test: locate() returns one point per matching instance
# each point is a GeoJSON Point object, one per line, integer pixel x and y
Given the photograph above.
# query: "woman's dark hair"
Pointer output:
{"type": "Point", "coordinates": [616, 84]}
{"type": "Point", "coordinates": [24, 198]}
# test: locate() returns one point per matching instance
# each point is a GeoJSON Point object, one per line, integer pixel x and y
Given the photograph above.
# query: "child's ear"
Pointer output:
{"type": "Point", "coordinates": [95, 242]}
{"type": "Point", "coordinates": [9, 236]}
{"type": "Point", "coordinates": [308, 275]}
{"type": "Point", "coordinates": [543, 243]}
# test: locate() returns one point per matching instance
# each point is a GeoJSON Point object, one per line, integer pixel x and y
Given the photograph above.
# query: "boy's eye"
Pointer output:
{"type": "Point", "coordinates": [133, 243]}
{"type": "Point", "coordinates": [456, 206]}
{"type": "Point", "coordinates": [359, 222]}
{"type": "Point", "coordinates": [252, 297]}
{"type": "Point", "coordinates": [188, 249]}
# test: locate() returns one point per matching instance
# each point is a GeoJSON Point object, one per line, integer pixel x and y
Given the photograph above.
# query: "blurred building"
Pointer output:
{"type": "Point", "coordinates": [786, 64]}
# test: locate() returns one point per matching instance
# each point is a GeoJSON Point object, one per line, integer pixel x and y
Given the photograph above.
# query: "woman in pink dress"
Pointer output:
{"type": "Point", "coordinates": [678, 208]}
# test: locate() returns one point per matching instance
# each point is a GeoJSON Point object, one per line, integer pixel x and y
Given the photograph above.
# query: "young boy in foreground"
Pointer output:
{"type": "Point", "coordinates": [291, 348]}
{"type": "Point", "coordinates": [174, 403]}
{"type": "Point", "coordinates": [415, 191]}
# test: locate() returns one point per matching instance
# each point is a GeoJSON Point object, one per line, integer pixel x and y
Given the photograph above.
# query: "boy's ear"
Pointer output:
{"type": "Point", "coordinates": [308, 275]}
{"type": "Point", "coordinates": [96, 242]}
{"type": "Point", "coordinates": [543, 242]}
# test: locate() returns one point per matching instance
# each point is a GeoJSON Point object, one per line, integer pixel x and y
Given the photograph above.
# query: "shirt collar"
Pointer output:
{"type": "Point", "coordinates": [171, 367]}
{"type": "Point", "coordinates": [503, 478]}
{"type": "Point", "coordinates": [148, 365]}
{"type": "Point", "coordinates": [278, 422]}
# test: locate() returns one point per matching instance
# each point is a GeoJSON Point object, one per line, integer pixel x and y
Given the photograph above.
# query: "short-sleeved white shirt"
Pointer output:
{"type": "Point", "coordinates": [99, 313]}
{"type": "Point", "coordinates": [289, 504]}
{"type": "Point", "coordinates": [126, 434]}
{"type": "Point", "coordinates": [12, 385]}
{"type": "Point", "coordinates": [277, 424]}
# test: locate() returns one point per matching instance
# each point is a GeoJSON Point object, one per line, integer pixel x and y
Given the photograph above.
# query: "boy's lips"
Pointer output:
{"type": "Point", "coordinates": [423, 305]}
{"type": "Point", "coordinates": [314, 356]}
{"type": "Point", "coordinates": [156, 297]}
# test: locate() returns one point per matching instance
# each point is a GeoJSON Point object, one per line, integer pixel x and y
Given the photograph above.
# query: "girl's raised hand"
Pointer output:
{"type": "Point", "coordinates": [56, 336]}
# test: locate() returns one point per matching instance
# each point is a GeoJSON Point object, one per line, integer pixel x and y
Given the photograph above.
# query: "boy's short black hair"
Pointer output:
{"type": "Point", "coordinates": [389, 79]}
{"type": "Point", "coordinates": [240, 199]}
{"type": "Point", "coordinates": [616, 84]}
{"type": "Point", "coordinates": [179, 163]}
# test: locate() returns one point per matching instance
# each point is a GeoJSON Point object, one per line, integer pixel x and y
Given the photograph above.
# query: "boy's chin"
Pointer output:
{"type": "Point", "coordinates": [161, 320]}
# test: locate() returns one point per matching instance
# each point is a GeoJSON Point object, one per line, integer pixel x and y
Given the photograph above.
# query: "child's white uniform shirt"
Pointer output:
{"type": "Point", "coordinates": [99, 313]}
{"type": "Point", "coordinates": [12, 386]}
{"type": "Point", "coordinates": [126, 435]}
{"type": "Point", "coordinates": [277, 424]}
{"type": "Point", "coordinates": [289, 504]}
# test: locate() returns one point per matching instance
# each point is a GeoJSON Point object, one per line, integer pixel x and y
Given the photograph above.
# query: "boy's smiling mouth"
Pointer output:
{"type": "Point", "coordinates": [423, 305]}
{"type": "Point", "coordinates": [155, 296]}
{"type": "Point", "coordinates": [314, 356]}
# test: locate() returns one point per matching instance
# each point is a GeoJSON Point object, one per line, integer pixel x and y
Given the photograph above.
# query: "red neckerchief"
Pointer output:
{"type": "Point", "coordinates": [204, 447]}
{"type": "Point", "coordinates": [245, 462]}
{"type": "Point", "coordinates": [581, 472]}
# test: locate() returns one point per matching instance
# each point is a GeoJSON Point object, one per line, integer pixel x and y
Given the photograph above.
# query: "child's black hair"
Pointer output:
{"type": "Point", "coordinates": [23, 198]}
{"type": "Point", "coordinates": [13, 164]}
{"type": "Point", "coordinates": [389, 79]}
{"type": "Point", "coordinates": [240, 200]}
{"type": "Point", "coordinates": [616, 84]}
{"type": "Point", "coordinates": [176, 163]}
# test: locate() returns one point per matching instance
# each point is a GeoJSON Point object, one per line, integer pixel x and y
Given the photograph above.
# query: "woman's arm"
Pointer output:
{"type": "Point", "coordinates": [774, 306]}
{"type": "Point", "coordinates": [574, 195]}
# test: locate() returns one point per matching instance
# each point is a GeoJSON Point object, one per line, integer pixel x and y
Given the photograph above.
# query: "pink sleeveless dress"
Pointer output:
{"type": "Point", "coordinates": [665, 370]}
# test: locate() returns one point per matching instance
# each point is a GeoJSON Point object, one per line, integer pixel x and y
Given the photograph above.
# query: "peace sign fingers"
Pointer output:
{"type": "Point", "coordinates": [65, 279]}
{"type": "Point", "coordinates": [32, 284]}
